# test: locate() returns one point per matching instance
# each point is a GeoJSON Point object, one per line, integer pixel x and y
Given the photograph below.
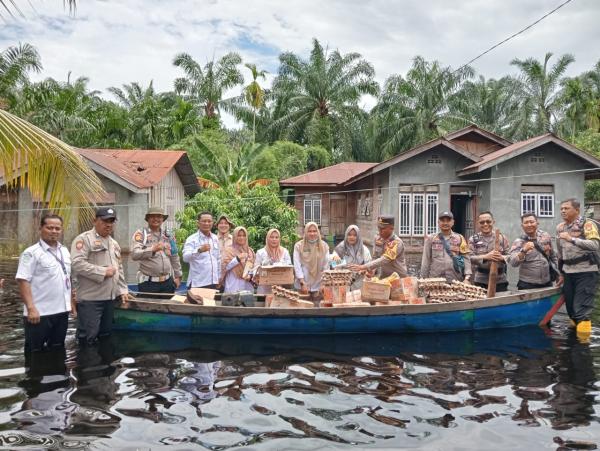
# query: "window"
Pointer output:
{"type": "Point", "coordinates": [434, 159]}
{"type": "Point", "coordinates": [417, 212]}
{"type": "Point", "coordinates": [537, 157]}
{"type": "Point", "coordinates": [312, 211]}
{"type": "Point", "coordinates": [538, 199]}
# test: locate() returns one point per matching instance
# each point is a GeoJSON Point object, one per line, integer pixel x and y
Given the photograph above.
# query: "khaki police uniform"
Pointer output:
{"type": "Point", "coordinates": [155, 266]}
{"type": "Point", "coordinates": [479, 245]}
{"type": "Point", "coordinates": [388, 256]}
{"type": "Point", "coordinates": [578, 264]}
{"type": "Point", "coordinates": [437, 263]}
{"type": "Point", "coordinates": [534, 267]}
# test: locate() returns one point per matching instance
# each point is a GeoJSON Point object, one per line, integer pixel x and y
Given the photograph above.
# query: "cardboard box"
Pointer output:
{"type": "Point", "coordinates": [417, 301]}
{"type": "Point", "coordinates": [276, 275]}
{"type": "Point", "coordinates": [335, 294]}
{"type": "Point", "coordinates": [281, 302]}
{"type": "Point", "coordinates": [410, 286]}
{"type": "Point", "coordinates": [372, 291]}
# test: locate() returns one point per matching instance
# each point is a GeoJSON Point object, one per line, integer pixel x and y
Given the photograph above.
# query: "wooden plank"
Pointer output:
{"type": "Point", "coordinates": [493, 279]}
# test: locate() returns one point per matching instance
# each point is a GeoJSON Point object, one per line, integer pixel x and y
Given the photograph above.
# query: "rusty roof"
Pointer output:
{"type": "Point", "coordinates": [335, 175]}
{"type": "Point", "coordinates": [144, 168]}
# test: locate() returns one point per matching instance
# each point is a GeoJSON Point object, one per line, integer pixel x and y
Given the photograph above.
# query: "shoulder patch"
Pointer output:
{"type": "Point", "coordinates": [79, 245]}
{"type": "Point", "coordinates": [138, 237]}
{"type": "Point", "coordinates": [26, 257]}
{"type": "Point", "coordinates": [590, 231]}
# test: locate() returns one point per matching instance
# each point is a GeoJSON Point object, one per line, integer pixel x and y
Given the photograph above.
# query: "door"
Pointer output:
{"type": "Point", "coordinates": [337, 216]}
{"type": "Point", "coordinates": [463, 204]}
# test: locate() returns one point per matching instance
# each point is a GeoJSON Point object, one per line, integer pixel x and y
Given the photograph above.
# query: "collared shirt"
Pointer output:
{"type": "Point", "coordinates": [585, 241]}
{"type": "Point", "coordinates": [205, 267]}
{"type": "Point", "coordinates": [155, 264]}
{"type": "Point", "coordinates": [388, 256]}
{"type": "Point", "coordinates": [534, 268]}
{"type": "Point", "coordinates": [225, 241]}
{"type": "Point", "coordinates": [92, 254]}
{"type": "Point", "coordinates": [40, 265]}
{"type": "Point", "coordinates": [480, 244]}
{"type": "Point", "coordinates": [437, 263]}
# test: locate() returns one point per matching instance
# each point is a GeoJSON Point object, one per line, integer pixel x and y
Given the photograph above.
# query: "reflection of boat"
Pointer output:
{"type": "Point", "coordinates": [209, 347]}
{"type": "Point", "coordinates": [510, 310]}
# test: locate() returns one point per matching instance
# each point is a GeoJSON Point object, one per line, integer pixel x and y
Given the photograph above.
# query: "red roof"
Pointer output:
{"type": "Point", "coordinates": [141, 168]}
{"type": "Point", "coordinates": [338, 174]}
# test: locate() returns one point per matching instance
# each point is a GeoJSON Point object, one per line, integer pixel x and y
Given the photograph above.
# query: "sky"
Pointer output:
{"type": "Point", "coordinates": [117, 42]}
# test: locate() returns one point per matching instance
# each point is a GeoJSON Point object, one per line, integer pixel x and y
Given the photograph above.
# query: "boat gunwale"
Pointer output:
{"type": "Point", "coordinates": [153, 306]}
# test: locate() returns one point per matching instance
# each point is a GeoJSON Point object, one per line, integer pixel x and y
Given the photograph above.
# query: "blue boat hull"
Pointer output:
{"type": "Point", "coordinates": [355, 320]}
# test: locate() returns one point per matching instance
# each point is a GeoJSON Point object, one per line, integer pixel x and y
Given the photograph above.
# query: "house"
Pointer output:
{"type": "Point", "coordinates": [466, 171]}
{"type": "Point", "coordinates": [133, 180]}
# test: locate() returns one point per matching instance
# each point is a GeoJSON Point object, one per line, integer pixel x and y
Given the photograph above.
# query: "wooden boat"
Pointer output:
{"type": "Point", "coordinates": [512, 309]}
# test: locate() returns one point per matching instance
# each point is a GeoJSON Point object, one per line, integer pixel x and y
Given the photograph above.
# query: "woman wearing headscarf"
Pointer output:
{"type": "Point", "coordinates": [235, 259]}
{"type": "Point", "coordinates": [273, 254]}
{"type": "Point", "coordinates": [353, 252]}
{"type": "Point", "coordinates": [310, 260]}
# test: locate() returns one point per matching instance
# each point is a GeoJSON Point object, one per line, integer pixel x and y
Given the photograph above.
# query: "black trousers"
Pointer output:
{"type": "Point", "coordinates": [500, 287]}
{"type": "Point", "coordinates": [94, 319]}
{"type": "Point", "coordinates": [580, 292]}
{"type": "Point", "coordinates": [166, 287]}
{"type": "Point", "coordinates": [530, 286]}
{"type": "Point", "coordinates": [49, 333]}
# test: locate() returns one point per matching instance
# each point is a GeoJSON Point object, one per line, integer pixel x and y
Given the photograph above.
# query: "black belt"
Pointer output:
{"type": "Point", "coordinates": [582, 258]}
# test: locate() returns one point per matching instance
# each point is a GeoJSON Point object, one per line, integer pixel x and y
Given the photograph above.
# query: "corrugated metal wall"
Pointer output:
{"type": "Point", "coordinates": [170, 195]}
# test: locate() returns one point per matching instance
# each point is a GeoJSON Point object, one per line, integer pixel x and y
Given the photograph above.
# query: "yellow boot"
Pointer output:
{"type": "Point", "coordinates": [584, 327]}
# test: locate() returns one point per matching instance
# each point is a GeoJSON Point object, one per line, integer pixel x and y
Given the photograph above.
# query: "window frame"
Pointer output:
{"type": "Point", "coordinates": [427, 218]}
{"type": "Point", "coordinates": [312, 204]}
{"type": "Point", "coordinates": [537, 199]}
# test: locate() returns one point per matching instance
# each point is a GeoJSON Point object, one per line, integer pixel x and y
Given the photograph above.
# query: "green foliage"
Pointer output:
{"type": "Point", "coordinates": [589, 141]}
{"type": "Point", "coordinates": [258, 209]}
{"type": "Point", "coordinates": [285, 159]}
{"type": "Point", "coordinates": [215, 139]}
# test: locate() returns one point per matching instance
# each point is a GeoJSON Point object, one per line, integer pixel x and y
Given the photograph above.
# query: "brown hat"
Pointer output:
{"type": "Point", "coordinates": [385, 220]}
{"type": "Point", "coordinates": [231, 224]}
{"type": "Point", "coordinates": [156, 211]}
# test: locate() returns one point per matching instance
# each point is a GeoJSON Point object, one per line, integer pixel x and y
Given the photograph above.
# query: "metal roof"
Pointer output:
{"type": "Point", "coordinates": [335, 175]}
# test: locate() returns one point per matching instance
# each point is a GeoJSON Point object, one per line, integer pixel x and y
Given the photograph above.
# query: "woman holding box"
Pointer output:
{"type": "Point", "coordinates": [273, 254]}
{"type": "Point", "coordinates": [237, 263]}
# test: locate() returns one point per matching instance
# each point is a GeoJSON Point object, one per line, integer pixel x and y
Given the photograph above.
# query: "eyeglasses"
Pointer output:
{"type": "Point", "coordinates": [486, 221]}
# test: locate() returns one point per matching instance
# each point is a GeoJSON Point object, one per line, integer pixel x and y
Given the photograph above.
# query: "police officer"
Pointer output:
{"type": "Point", "coordinates": [482, 247]}
{"type": "Point", "coordinates": [447, 253]}
{"type": "Point", "coordinates": [578, 242]}
{"type": "Point", "coordinates": [533, 254]}
{"type": "Point", "coordinates": [388, 251]}
{"type": "Point", "coordinates": [96, 264]}
{"type": "Point", "coordinates": [156, 250]}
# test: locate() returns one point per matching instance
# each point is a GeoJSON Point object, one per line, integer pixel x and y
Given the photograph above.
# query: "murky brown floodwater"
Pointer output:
{"type": "Point", "coordinates": [504, 389]}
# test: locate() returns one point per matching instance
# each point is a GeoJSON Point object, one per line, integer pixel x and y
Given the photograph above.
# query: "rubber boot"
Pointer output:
{"type": "Point", "coordinates": [584, 331]}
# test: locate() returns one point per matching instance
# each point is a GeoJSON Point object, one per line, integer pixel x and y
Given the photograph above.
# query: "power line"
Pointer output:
{"type": "Point", "coordinates": [514, 35]}
{"type": "Point", "coordinates": [363, 190]}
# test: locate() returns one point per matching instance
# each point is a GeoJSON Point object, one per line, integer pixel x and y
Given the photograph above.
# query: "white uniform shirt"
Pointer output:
{"type": "Point", "coordinates": [41, 266]}
{"type": "Point", "coordinates": [205, 267]}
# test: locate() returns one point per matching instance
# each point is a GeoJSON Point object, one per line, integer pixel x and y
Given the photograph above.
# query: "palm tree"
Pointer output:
{"type": "Point", "coordinates": [15, 63]}
{"type": "Point", "coordinates": [317, 101]}
{"type": "Point", "coordinates": [417, 108]}
{"type": "Point", "coordinates": [205, 86]}
{"type": "Point", "coordinates": [592, 80]}
{"type": "Point", "coordinates": [495, 105]}
{"type": "Point", "coordinates": [54, 171]}
{"type": "Point", "coordinates": [8, 6]}
{"type": "Point", "coordinates": [146, 110]}
{"type": "Point", "coordinates": [579, 105]}
{"type": "Point", "coordinates": [541, 88]}
{"type": "Point", "coordinates": [254, 94]}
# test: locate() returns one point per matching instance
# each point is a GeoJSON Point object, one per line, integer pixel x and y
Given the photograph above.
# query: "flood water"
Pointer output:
{"type": "Point", "coordinates": [503, 389]}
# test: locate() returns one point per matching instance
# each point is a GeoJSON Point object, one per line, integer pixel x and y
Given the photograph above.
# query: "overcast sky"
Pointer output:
{"type": "Point", "coordinates": [117, 42]}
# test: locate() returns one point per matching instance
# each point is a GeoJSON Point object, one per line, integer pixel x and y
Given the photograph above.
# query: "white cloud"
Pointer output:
{"type": "Point", "coordinates": [114, 42]}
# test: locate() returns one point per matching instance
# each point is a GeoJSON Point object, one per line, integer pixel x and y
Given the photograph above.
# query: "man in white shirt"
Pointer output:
{"type": "Point", "coordinates": [44, 279]}
{"type": "Point", "coordinates": [201, 251]}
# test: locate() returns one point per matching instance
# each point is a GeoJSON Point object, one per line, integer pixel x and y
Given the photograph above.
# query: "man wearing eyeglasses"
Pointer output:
{"type": "Point", "coordinates": [97, 266]}
{"type": "Point", "coordinates": [483, 253]}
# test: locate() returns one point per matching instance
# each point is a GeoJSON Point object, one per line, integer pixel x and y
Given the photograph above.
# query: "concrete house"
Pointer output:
{"type": "Point", "coordinates": [467, 171]}
{"type": "Point", "coordinates": [133, 180]}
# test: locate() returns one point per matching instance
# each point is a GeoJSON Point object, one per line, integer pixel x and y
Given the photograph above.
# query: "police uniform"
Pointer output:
{"type": "Point", "coordinates": [388, 254]}
{"type": "Point", "coordinates": [437, 263]}
{"type": "Point", "coordinates": [157, 269]}
{"type": "Point", "coordinates": [91, 255]}
{"type": "Point", "coordinates": [480, 244]}
{"type": "Point", "coordinates": [577, 259]}
{"type": "Point", "coordinates": [534, 267]}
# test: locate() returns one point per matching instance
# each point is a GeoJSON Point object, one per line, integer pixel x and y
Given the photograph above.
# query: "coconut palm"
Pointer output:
{"type": "Point", "coordinates": [50, 169]}
{"type": "Point", "coordinates": [541, 88]}
{"type": "Point", "coordinates": [417, 108]}
{"type": "Point", "coordinates": [317, 101]}
{"type": "Point", "coordinates": [579, 106]}
{"type": "Point", "coordinates": [15, 63]}
{"type": "Point", "coordinates": [254, 94]}
{"type": "Point", "coordinates": [205, 86]}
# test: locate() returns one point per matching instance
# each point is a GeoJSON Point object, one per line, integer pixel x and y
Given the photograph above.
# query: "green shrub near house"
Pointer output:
{"type": "Point", "coordinates": [257, 208]}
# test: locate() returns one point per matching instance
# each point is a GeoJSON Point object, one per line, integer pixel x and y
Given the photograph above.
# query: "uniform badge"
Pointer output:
{"type": "Point", "coordinates": [97, 243]}
{"type": "Point", "coordinates": [138, 237]}
{"type": "Point", "coordinates": [79, 245]}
